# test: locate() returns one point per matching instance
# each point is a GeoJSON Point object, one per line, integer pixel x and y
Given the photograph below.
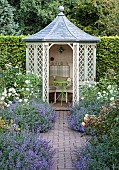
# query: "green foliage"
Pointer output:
{"type": "Point", "coordinates": [7, 23]}
{"type": "Point", "coordinates": [96, 155]}
{"type": "Point", "coordinates": [34, 14]}
{"type": "Point", "coordinates": [97, 17]}
{"type": "Point", "coordinates": [17, 86]}
{"type": "Point", "coordinates": [107, 56]}
{"type": "Point", "coordinates": [12, 50]}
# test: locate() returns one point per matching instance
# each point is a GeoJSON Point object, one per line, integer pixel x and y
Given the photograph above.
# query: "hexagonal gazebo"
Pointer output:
{"type": "Point", "coordinates": [62, 50]}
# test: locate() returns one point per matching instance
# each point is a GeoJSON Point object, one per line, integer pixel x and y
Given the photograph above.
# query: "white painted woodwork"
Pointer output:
{"type": "Point", "coordinates": [80, 57]}
{"type": "Point", "coordinates": [27, 58]}
{"type": "Point", "coordinates": [35, 59]}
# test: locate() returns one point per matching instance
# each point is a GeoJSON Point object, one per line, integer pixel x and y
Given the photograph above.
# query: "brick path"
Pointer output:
{"type": "Point", "coordinates": [63, 140]}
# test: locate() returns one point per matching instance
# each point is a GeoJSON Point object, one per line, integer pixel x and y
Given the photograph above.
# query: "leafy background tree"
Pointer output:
{"type": "Point", "coordinates": [98, 17]}
{"type": "Point", "coordinates": [7, 23]}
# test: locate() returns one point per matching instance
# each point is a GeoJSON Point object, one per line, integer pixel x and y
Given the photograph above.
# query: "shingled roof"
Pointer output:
{"type": "Point", "coordinates": [61, 30]}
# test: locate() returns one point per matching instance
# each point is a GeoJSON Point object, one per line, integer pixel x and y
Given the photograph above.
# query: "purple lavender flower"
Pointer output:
{"type": "Point", "coordinates": [25, 151]}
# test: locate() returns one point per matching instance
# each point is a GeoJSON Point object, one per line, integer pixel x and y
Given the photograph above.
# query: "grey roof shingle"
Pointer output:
{"type": "Point", "coordinates": [61, 30]}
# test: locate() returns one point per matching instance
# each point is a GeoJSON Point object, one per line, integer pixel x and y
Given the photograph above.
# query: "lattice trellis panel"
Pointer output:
{"type": "Point", "coordinates": [75, 78]}
{"type": "Point", "coordinates": [90, 60]}
{"type": "Point", "coordinates": [81, 63]}
{"type": "Point", "coordinates": [46, 73]}
{"type": "Point", "coordinates": [30, 58]}
{"type": "Point", "coordinates": [40, 59]}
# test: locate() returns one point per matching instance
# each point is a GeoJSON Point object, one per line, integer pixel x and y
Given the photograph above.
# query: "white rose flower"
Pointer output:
{"type": "Point", "coordinates": [8, 105]}
{"type": "Point", "coordinates": [8, 65]}
{"type": "Point", "coordinates": [109, 87]}
{"type": "Point", "coordinates": [27, 89]}
{"type": "Point", "coordinates": [111, 91]}
{"type": "Point", "coordinates": [25, 100]}
{"type": "Point", "coordinates": [99, 93]}
{"type": "Point", "coordinates": [112, 98]}
{"type": "Point", "coordinates": [5, 103]}
{"type": "Point", "coordinates": [20, 100]}
{"type": "Point", "coordinates": [2, 98]}
{"type": "Point", "coordinates": [27, 81]}
{"type": "Point", "coordinates": [10, 102]}
{"type": "Point", "coordinates": [15, 84]}
{"type": "Point", "coordinates": [4, 93]}
{"type": "Point", "coordinates": [9, 94]}
{"type": "Point", "coordinates": [16, 67]}
{"type": "Point", "coordinates": [12, 90]}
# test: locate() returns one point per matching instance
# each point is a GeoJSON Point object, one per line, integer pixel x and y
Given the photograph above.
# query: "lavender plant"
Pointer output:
{"type": "Point", "coordinates": [25, 151]}
{"type": "Point", "coordinates": [76, 116]}
{"type": "Point", "coordinates": [34, 115]}
{"type": "Point", "coordinates": [96, 155]}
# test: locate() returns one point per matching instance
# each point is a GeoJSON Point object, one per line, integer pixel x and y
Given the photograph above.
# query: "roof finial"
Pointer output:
{"type": "Point", "coordinates": [61, 8]}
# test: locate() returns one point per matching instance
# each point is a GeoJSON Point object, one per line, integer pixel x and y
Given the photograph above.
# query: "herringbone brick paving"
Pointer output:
{"type": "Point", "coordinates": [64, 140]}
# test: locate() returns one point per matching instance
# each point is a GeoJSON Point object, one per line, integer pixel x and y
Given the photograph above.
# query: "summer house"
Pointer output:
{"type": "Point", "coordinates": [64, 56]}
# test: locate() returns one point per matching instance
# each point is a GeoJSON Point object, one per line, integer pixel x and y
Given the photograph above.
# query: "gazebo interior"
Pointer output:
{"type": "Point", "coordinates": [60, 73]}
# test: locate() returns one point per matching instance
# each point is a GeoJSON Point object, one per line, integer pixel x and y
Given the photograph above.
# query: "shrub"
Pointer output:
{"type": "Point", "coordinates": [18, 86]}
{"type": "Point", "coordinates": [92, 99]}
{"type": "Point", "coordinates": [26, 151]}
{"type": "Point", "coordinates": [34, 116]}
{"type": "Point", "coordinates": [12, 50]}
{"type": "Point", "coordinates": [107, 56]}
{"type": "Point", "coordinates": [88, 104]}
{"type": "Point", "coordinates": [76, 116]}
{"type": "Point", "coordinates": [96, 155]}
{"type": "Point", "coordinates": [106, 123]}
{"type": "Point", "coordinates": [101, 152]}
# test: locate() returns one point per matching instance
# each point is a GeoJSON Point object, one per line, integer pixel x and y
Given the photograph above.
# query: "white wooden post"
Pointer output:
{"type": "Point", "coordinates": [85, 63]}
{"type": "Point", "coordinates": [75, 74]}
{"type": "Point", "coordinates": [94, 62]}
{"type": "Point", "coordinates": [78, 72]}
{"type": "Point", "coordinates": [35, 59]}
{"type": "Point", "coordinates": [27, 58]}
{"type": "Point", "coordinates": [45, 72]}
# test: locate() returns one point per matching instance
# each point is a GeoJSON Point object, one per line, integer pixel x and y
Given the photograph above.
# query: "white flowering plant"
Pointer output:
{"type": "Point", "coordinates": [18, 86]}
{"type": "Point", "coordinates": [108, 90]}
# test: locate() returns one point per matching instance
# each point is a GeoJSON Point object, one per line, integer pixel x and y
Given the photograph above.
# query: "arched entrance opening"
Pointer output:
{"type": "Point", "coordinates": [60, 73]}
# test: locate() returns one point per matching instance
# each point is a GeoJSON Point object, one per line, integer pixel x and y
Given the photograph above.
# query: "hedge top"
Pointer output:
{"type": "Point", "coordinates": [61, 30]}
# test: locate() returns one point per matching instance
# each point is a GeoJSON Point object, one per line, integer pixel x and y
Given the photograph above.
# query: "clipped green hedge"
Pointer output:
{"type": "Point", "coordinates": [12, 50]}
{"type": "Point", "coordinates": [107, 55]}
